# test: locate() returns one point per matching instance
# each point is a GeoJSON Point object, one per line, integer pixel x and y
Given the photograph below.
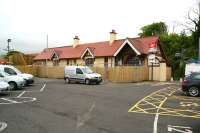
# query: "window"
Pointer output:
{"type": "Point", "coordinates": [197, 76]}
{"type": "Point", "coordinates": [87, 70]}
{"type": "Point", "coordinates": [135, 61]}
{"type": "Point", "coordinates": [9, 71]}
{"type": "Point", "coordinates": [67, 62]}
{"type": "Point", "coordinates": [89, 61]}
{"type": "Point", "coordinates": [79, 71]}
{"type": "Point", "coordinates": [106, 62]}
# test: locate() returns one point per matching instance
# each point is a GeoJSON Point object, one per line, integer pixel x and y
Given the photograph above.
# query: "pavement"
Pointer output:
{"type": "Point", "coordinates": [51, 106]}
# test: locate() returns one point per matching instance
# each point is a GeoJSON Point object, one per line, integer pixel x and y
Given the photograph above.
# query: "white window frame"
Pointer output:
{"type": "Point", "coordinates": [87, 49]}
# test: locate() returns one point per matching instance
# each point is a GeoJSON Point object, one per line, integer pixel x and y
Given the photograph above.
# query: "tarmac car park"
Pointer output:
{"type": "Point", "coordinates": [50, 105]}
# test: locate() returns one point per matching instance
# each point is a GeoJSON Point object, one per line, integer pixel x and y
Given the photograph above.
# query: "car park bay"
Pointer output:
{"type": "Point", "coordinates": [105, 108]}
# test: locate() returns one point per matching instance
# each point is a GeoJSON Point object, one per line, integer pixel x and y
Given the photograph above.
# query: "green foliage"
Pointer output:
{"type": "Point", "coordinates": [182, 44]}
{"type": "Point", "coordinates": [153, 29]}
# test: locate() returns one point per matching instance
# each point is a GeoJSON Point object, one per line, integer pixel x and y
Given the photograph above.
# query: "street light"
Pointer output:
{"type": "Point", "coordinates": [9, 40]}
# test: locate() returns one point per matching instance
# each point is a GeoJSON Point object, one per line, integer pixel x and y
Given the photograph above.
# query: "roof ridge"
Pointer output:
{"type": "Point", "coordinates": [103, 41]}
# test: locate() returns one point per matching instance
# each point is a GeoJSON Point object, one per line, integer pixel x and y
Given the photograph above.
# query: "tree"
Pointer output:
{"type": "Point", "coordinates": [193, 26]}
{"type": "Point", "coordinates": [17, 58]}
{"type": "Point", "coordinates": [153, 29]}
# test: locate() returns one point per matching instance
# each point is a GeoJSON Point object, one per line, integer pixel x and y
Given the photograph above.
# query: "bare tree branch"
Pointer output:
{"type": "Point", "coordinates": [192, 20]}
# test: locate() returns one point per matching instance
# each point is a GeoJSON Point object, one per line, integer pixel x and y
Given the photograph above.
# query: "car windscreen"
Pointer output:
{"type": "Point", "coordinates": [17, 70]}
{"type": "Point", "coordinates": [87, 70]}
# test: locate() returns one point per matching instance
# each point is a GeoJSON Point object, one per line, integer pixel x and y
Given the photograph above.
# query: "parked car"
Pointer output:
{"type": "Point", "coordinates": [191, 84]}
{"type": "Point", "coordinates": [4, 86]}
{"type": "Point", "coordinates": [81, 74]}
{"type": "Point", "coordinates": [14, 81]}
{"type": "Point", "coordinates": [11, 70]}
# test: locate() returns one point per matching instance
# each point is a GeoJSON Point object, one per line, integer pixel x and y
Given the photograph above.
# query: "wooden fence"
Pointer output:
{"type": "Point", "coordinates": [115, 74]}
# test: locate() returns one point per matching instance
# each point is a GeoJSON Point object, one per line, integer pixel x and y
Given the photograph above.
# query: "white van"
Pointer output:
{"type": "Point", "coordinates": [81, 74]}
{"type": "Point", "coordinates": [14, 81]}
{"type": "Point", "coordinates": [4, 86]}
{"type": "Point", "coordinates": [29, 79]}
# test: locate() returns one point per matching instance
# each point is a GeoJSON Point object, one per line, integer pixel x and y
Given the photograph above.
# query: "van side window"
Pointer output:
{"type": "Point", "coordinates": [9, 71]}
{"type": "Point", "coordinates": [78, 71]}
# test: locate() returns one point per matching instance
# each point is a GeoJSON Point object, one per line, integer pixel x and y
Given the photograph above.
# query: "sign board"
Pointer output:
{"type": "Point", "coordinates": [151, 56]}
{"type": "Point", "coordinates": [152, 45]}
{"type": "Point", "coordinates": [152, 50]}
{"type": "Point", "coordinates": [152, 61]}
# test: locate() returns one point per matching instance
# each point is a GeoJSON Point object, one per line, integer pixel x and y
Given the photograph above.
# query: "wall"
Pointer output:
{"type": "Point", "coordinates": [80, 62]}
{"type": "Point", "coordinates": [63, 63]}
{"type": "Point", "coordinates": [99, 62]}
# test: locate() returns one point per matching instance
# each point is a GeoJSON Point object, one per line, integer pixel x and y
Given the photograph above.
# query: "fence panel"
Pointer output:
{"type": "Point", "coordinates": [114, 74]}
{"type": "Point", "coordinates": [169, 73]}
{"type": "Point", "coordinates": [128, 74]}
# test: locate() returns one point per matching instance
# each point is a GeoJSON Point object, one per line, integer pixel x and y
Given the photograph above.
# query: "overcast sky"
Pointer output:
{"type": "Point", "coordinates": [27, 22]}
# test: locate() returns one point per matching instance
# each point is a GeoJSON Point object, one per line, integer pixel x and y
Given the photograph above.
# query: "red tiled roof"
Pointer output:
{"type": "Point", "coordinates": [44, 55]}
{"type": "Point", "coordinates": [99, 49]}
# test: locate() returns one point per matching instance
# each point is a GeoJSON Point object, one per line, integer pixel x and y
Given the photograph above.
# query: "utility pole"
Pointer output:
{"type": "Point", "coordinates": [47, 41]}
{"type": "Point", "coordinates": [47, 45]}
{"type": "Point", "coordinates": [199, 37]}
{"type": "Point", "coordinates": [8, 47]}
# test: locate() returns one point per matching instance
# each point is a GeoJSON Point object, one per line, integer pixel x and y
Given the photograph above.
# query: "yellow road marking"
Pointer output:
{"type": "Point", "coordinates": [152, 104]}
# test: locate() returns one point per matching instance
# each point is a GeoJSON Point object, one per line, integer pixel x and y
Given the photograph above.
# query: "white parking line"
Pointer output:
{"type": "Point", "coordinates": [155, 124]}
{"type": "Point", "coordinates": [21, 94]}
{"type": "Point", "coordinates": [42, 89]}
{"type": "Point", "coordinates": [3, 126]}
{"type": "Point", "coordinates": [12, 101]}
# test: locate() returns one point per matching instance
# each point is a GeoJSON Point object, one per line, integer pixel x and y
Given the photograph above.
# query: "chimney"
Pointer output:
{"type": "Point", "coordinates": [113, 36]}
{"type": "Point", "coordinates": [76, 41]}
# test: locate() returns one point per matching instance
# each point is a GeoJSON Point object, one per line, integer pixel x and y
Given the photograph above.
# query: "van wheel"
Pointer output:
{"type": "Point", "coordinates": [87, 81]}
{"type": "Point", "coordinates": [67, 80]}
{"type": "Point", "coordinates": [193, 91]}
{"type": "Point", "coordinates": [13, 85]}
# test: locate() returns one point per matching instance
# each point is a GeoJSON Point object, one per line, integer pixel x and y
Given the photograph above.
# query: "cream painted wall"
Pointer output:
{"type": "Point", "coordinates": [111, 61]}
{"type": "Point", "coordinates": [63, 63]}
{"type": "Point", "coordinates": [99, 62]}
{"type": "Point", "coordinates": [80, 62]}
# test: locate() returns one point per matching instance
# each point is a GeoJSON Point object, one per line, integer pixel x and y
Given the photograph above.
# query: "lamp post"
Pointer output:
{"type": "Point", "coordinates": [8, 47]}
